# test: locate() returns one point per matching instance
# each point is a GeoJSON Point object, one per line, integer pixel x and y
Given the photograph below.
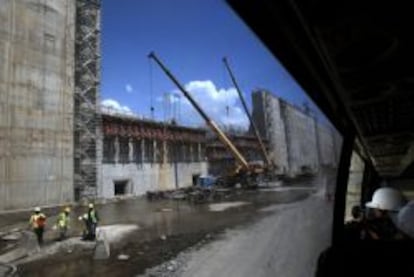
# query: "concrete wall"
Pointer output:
{"type": "Point", "coordinates": [356, 174]}
{"type": "Point", "coordinates": [146, 176]}
{"type": "Point", "coordinates": [326, 146]}
{"type": "Point", "coordinates": [298, 142]}
{"type": "Point", "coordinates": [301, 138]}
{"type": "Point", "coordinates": [267, 115]}
{"type": "Point", "coordinates": [36, 102]}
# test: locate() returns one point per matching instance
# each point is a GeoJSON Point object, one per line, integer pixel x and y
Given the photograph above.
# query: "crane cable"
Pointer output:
{"type": "Point", "coordinates": [151, 88]}
{"type": "Point", "coordinates": [226, 98]}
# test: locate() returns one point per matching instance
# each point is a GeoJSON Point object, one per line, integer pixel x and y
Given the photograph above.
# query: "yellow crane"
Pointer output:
{"type": "Point", "coordinates": [243, 171]}
{"type": "Point", "coordinates": [265, 155]}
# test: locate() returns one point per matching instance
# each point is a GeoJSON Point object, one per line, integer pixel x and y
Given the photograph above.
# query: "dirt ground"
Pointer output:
{"type": "Point", "coordinates": [168, 228]}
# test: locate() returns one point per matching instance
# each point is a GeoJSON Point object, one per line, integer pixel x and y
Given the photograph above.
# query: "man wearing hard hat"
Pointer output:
{"type": "Point", "coordinates": [37, 223]}
{"type": "Point", "coordinates": [63, 223]}
{"type": "Point", "coordinates": [384, 207]}
{"type": "Point", "coordinates": [91, 221]}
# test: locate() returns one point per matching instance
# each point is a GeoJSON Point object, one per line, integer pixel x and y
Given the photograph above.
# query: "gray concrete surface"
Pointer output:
{"type": "Point", "coordinates": [36, 102]}
{"type": "Point", "coordinates": [298, 142]}
{"type": "Point", "coordinates": [286, 243]}
{"type": "Point", "coordinates": [148, 176]}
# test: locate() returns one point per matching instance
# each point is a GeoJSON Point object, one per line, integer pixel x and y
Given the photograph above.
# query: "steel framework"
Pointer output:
{"type": "Point", "coordinates": [86, 108]}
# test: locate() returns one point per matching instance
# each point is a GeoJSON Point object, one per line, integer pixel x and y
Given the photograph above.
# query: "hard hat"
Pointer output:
{"type": "Point", "coordinates": [67, 209]}
{"type": "Point", "coordinates": [388, 199]}
{"type": "Point", "coordinates": [90, 205]}
{"type": "Point", "coordinates": [37, 209]}
{"type": "Point", "coordinates": [405, 219]}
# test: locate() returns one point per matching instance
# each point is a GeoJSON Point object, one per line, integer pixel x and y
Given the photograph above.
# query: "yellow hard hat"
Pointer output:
{"type": "Point", "coordinates": [67, 209]}
{"type": "Point", "coordinates": [90, 205]}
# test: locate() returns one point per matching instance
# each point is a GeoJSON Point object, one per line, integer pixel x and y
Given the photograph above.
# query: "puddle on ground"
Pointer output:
{"type": "Point", "coordinates": [219, 207]}
{"type": "Point", "coordinates": [182, 226]}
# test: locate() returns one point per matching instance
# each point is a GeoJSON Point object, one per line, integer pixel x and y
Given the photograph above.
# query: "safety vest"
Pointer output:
{"type": "Point", "coordinates": [63, 220]}
{"type": "Point", "coordinates": [92, 216]}
{"type": "Point", "coordinates": [37, 220]}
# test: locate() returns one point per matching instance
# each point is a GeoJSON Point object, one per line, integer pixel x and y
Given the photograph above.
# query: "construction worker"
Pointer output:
{"type": "Point", "coordinates": [37, 223]}
{"type": "Point", "coordinates": [63, 223]}
{"type": "Point", "coordinates": [91, 221]}
{"type": "Point", "coordinates": [383, 209]}
{"type": "Point", "coordinates": [353, 229]}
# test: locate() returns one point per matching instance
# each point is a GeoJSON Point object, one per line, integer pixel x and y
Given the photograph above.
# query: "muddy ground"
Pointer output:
{"type": "Point", "coordinates": [166, 228]}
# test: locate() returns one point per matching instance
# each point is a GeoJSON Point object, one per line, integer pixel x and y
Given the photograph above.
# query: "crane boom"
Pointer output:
{"type": "Point", "coordinates": [256, 132]}
{"type": "Point", "coordinates": [223, 138]}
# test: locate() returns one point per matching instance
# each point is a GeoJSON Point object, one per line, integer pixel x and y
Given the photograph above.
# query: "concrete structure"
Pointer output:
{"type": "Point", "coordinates": [141, 155]}
{"type": "Point", "coordinates": [356, 174]}
{"type": "Point", "coordinates": [221, 161]}
{"type": "Point", "coordinates": [87, 134]}
{"type": "Point", "coordinates": [36, 102]}
{"type": "Point", "coordinates": [298, 143]}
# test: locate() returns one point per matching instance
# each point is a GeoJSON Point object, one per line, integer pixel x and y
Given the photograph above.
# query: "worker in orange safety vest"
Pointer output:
{"type": "Point", "coordinates": [37, 223]}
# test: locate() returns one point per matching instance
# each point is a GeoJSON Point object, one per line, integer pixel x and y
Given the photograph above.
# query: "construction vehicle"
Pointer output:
{"type": "Point", "coordinates": [245, 173]}
{"type": "Point", "coordinates": [268, 166]}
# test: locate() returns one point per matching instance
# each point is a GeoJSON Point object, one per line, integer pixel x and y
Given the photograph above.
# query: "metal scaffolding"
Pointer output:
{"type": "Point", "coordinates": [86, 108]}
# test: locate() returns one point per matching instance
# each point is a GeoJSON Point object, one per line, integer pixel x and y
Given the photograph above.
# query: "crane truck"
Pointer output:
{"type": "Point", "coordinates": [269, 166]}
{"type": "Point", "coordinates": [245, 173]}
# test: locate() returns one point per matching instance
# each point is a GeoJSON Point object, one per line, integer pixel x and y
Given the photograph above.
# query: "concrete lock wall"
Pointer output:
{"type": "Point", "coordinates": [301, 140]}
{"type": "Point", "coordinates": [356, 174]}
{"type": "Point", "coordinates": [36, 102]}
{"type": "Point", "coordinates": [298, 142]}
{"type": "Point", "coordinates": [144, 177]}
{"type": "Point", "coordinates": [268, 118]}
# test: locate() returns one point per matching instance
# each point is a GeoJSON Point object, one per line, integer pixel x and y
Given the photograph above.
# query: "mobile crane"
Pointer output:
{"type": "Point", "coordinates": [268, 163]}
{"type": "Point", "coordinates": [244, 173]}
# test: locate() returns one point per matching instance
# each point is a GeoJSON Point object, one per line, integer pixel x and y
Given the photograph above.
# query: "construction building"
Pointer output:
{"type": "Point", "coordinates": [49, 96]}
{"type": "Point", "coordinates": [56, 147]}
{"type": "Point", "coordinates": [142, 155]}
{"type": "Point", "coordinates": [37, 84]}
{"type": "Point", "coordinates": [220, 160]}
{"type": "Point", "coordinates": [298, 142]}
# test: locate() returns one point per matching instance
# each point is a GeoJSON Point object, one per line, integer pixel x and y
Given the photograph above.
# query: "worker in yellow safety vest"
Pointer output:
{"type": "Point", "coordinates": [91, 221]}
{"type": "Point", "coordinates": [63, 223]}
{"type": "Point", "coordinates": [37, 223]}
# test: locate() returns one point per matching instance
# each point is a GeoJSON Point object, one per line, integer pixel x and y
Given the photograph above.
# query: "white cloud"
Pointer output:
{"type": "Point", "coordinates": [213, 101]}
{"type": "Point", "coordinates": [129, 88]}
{"type": "Point", "coordinates": [111, 106]}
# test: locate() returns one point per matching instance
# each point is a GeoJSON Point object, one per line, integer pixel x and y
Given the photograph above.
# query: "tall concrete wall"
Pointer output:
{"type": "Point", "coordinates": [326, 146]}
{"type": "Point", "coordinates": [356, 174]}
{"type": "Point", "coordinates": [301, 140]}
{"type": "Point", "coordinates": [298, 143]}
{"type": "Point", "coordinates": [36, 102]}
{"type": "Point", "coordinates": [148, 177]}
{"type": "Point", "coordinates": [269, 119]}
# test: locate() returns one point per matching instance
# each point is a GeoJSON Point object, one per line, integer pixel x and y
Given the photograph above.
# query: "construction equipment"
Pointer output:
{"type": "Point", "coordinates": [266, 158]}
{"type": "Point", "coordinates": [244, 173]}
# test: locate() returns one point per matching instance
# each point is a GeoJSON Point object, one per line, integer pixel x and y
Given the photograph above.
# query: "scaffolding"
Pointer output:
{"type": "Point", "coordinates": [86, 109]}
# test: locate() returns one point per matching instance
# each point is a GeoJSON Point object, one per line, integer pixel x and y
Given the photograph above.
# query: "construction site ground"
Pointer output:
{"type": "Point", "coordinates": [246, 233]}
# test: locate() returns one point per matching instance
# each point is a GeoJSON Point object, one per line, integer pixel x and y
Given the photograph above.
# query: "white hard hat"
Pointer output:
{"type": "Point", "coordinates": [388, 199]}
{"type": "Point", "coordinates": [405, 220]}
{"type": "Point", "coordinates": [37, 209]}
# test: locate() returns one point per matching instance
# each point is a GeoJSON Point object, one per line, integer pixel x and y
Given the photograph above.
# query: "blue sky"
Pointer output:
{"type": "Point", "coordinates": [190, 37]}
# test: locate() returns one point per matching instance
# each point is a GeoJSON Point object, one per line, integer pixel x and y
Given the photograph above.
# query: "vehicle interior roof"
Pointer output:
{"type": "Point", "coordinates": [354, 59]}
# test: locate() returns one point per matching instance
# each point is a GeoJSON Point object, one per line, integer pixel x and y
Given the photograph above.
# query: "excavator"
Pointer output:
{"type": "Point", "coordinates": [245, 173]}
